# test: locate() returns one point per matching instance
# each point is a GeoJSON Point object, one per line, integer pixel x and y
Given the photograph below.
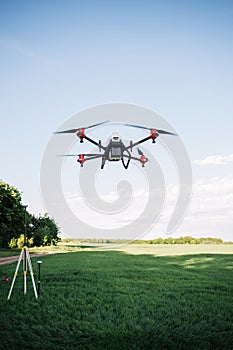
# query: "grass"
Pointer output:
{"type": "Point", "coordinates": [159, 249]}
{"type": "Point", "coordinates": [9, 252]}
{"type": "Point", "coordinates": [122, 299]}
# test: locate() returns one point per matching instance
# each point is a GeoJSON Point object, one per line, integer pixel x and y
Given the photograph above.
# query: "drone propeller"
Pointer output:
{"type": "Point", "coordinates": [143, 158]}
{"type": "Point", "coordinates": [159, 131]}
{"type": "Point", "coordinates": [140, 152]}
{"type": "Point", "coordinates": [78, 155]}
{"type": "Point", "coordinates": [71, 131]}
{"type": "Point", "coordinates": [81, 157]}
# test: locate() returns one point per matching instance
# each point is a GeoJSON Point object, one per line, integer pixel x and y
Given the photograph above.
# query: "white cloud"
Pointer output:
{"type": "Point", "coordinates": [216, 160]}
{"type": "Point", "coordinates": [214, 195]}
{"type": "Point", "coordinates": [210, 211]}
{"type": "Point", "coordinates": [104, 219]}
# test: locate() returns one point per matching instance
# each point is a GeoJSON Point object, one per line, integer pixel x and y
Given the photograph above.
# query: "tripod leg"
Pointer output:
{"type": "Point", "coordinates": [32, 275]}
{"type": "Point", "coordinates": [15, 275]}
{"type": "Point", "coordinates": [25, 269]}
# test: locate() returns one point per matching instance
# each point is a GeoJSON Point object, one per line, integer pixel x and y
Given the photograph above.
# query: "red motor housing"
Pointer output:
{"type": "Point", "coordinates": [153, 134]}
{"type": "Point", "coordinates": [81, 133]}
{"type": "Point", "coordinates": [81, 159]}
{"type": "Point", "coordinates": [143, 159]}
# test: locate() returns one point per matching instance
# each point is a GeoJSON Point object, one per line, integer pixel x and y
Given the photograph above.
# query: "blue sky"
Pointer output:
{"type": "Point", "coordinates": [175, 57]}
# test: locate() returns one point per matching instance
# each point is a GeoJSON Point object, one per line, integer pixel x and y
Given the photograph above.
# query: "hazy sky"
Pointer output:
{"type": "Point", "coordinates": [174, 57]}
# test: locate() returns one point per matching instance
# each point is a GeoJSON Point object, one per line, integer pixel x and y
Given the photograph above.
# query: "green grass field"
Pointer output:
{"type": "Point", "coordinates": [130, 298]}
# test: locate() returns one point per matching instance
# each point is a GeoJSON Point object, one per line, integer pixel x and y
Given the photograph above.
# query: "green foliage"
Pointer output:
{"type": "Point", "coordinates": [169, 240]}
{"type": "Point", "coordinates": [13, 243]}
{"type": "Point", "coordinates": [40, 230]}
{"type": "Point", "coordinates": [181, 240]}
{"type": "Point", "coordinates": [11, 214]}
{"type": "Point", "coordinates": [19, 242]}
{"type": "Point", "coordinates": [44, 231]}
{"type": "Point", "coordinates": [113, 300]}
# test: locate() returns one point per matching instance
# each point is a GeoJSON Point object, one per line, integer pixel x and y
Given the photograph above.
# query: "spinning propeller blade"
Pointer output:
{"type": "Point", "coordinates": [78, 155]}
{"type": "Point", "coordinates": [71, 131]}
{"type": "Point", "coordinates": [140, 152]}
{"type": "Point", "coordinates": [146, 128]}
{"type": "Point", "coordinates": [138, 126]}
{"type": "Point", "coordinates": [166, 132]}
{"type": "Point", "coordinates": [94, 125]}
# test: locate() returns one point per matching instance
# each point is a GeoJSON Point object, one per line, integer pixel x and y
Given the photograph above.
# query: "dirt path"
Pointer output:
{"type": "Point", "coordinates": [11, 259]}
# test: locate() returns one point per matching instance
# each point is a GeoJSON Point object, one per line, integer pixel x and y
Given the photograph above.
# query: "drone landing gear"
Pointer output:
{"type": "Point", "coordinates": [125, 165]}
{"type": "Point", "coordinates": [103, 163]}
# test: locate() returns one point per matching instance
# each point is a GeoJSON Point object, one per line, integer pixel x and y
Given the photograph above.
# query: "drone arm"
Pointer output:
{"type": "Point", "coordinates": [95, 143]}
{"type": "Point", "coordinates": [138, 143]}
{"type": "Point", "coordinates": [94, 157]}
{"type": "Point", "coordinates": [142, 159]}
{"type": "Point", "coordinates": [131, 157]}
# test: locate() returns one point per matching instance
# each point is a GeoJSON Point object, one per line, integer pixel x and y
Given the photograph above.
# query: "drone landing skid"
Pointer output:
{"type": "Point", "coordinates": [125, 165]}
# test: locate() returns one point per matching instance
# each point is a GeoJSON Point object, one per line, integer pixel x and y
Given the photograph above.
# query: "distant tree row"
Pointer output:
{"type": "Point", "coordinates": [170, 240]}
{"type": "Point", "coordinates": [41, 230]}
{"type": "Point", "coordinates": [182, 240]}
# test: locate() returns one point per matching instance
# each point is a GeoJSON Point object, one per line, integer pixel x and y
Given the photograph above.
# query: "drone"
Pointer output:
{"type": "Point", "coordinates": [115, 150]}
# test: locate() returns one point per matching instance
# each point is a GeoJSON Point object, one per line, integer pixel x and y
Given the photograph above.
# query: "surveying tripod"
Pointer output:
{"type": "Point", "coordinates": [24, 255]}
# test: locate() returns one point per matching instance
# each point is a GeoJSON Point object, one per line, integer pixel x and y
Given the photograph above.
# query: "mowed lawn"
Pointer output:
{"type": "Point", "coordinates": [123, 299]}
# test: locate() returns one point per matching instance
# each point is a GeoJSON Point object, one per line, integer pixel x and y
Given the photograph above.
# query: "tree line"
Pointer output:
{"type": "Point", "coordinates": [181, 240]}
{"type": "Point", "coordinates": [170, 240]}
{"type": "Point", "coordinates": [41, 230]}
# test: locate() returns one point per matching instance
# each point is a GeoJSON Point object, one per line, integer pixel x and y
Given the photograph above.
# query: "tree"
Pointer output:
{"type": "Point", "coordinates": [11, 214]}
{"type": "Point", "coordinates": [41, 230]}
{"type": "Point", "coordinates": [44, 230]}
